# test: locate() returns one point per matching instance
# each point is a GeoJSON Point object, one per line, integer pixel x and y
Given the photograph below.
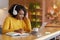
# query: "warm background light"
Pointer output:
{"type": "Point", "coordinates": [54, 6]}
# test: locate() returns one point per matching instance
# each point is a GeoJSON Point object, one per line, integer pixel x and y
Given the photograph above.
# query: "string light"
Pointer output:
{"type": "Point", "coordinates": [54, 5]}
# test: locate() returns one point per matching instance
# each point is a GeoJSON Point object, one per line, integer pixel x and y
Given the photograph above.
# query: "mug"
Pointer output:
{"type": "Point", "coordinates": [35, 29]}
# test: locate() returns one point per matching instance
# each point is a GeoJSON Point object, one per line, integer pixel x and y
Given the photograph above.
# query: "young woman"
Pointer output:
{"type": "Point", "coordinates": [17, 21]}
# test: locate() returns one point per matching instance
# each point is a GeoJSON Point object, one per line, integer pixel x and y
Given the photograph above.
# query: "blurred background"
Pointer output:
{"type": "Point", "coordinates": [39, 11]}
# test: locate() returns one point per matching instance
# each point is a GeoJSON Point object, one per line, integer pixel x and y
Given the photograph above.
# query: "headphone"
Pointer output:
{"type": "Point", "coordinates": [14, 11]}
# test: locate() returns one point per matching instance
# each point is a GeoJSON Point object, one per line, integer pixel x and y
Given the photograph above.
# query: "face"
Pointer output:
{"type": "Point", "coordinates": [21, 14]}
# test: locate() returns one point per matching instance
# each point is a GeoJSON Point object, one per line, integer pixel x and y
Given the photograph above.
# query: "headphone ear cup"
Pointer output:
{"type": "Point", "coordinates": [14, 12]}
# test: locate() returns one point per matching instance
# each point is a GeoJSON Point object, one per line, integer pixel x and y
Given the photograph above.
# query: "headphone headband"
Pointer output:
{"type": "Point", "coordinates": [14, 11]}
{"type": "Point", "coordinates": [14, 7]}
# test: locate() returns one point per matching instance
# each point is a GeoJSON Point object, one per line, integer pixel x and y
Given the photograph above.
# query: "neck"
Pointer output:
{"type": "Point", "coordinates": [19, 18]}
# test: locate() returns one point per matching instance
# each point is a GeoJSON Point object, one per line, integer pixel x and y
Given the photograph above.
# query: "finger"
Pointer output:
{"type": "Point", "coordinates": [27, 15]}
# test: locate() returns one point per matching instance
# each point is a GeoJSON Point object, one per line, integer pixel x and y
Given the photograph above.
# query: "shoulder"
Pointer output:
{"type": "Point", "coordinates": [8, 18]}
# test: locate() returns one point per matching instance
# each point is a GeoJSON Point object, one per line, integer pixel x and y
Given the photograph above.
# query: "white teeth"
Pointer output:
{"type": "Point", "coordinates": [21, 15]}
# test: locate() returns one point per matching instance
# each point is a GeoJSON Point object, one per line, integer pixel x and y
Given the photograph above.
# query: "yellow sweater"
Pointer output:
{"type": "Point", "coordinates": [11, 24]}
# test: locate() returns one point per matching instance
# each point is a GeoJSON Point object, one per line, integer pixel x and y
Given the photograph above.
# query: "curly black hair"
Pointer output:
{"type": "Point", "coordinates": [18, 8]}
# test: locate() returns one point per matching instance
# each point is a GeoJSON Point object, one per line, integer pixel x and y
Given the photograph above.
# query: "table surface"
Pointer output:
{"type": "Point", "coordinates": [30, 37]}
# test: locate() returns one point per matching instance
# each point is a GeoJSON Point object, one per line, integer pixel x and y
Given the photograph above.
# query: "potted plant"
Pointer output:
{"type": "Point", "coordinates": [33, 6]}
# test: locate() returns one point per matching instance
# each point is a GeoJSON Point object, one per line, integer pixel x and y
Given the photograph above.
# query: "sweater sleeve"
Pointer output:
{"type": "Point", "coordinates": [6, 25]}
{"type": "Point", "coordinates": [28, 25]}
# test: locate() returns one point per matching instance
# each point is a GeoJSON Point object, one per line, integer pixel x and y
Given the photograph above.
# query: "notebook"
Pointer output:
{"type": "Point", "coordinates": [16, 34]}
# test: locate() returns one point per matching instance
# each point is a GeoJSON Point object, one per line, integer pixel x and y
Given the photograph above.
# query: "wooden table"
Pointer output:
{"type": "Point", "coordinates": [30, 37]}
{"type": "Point", "coordinates": [5, 37]}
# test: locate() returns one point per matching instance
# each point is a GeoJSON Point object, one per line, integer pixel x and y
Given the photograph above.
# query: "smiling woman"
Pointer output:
{"type": "Point", "coordinates": [17, 20]}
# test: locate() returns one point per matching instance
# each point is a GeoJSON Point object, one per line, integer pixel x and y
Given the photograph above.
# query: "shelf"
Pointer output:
{"type": "Point", "coordinates": [36, 24]}
{"type": "Point", "coordinates": [36, 15]}
{"type": "Point", "coordinates": [38, 9]}
{"type": "Point", "coordinates": [52, 25]}
{"type": "Point", "coordinates": [36, 21]}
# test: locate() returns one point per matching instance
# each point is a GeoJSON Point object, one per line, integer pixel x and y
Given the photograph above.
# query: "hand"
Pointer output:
{"type": "Point", "coordinates": [26, 15]}
{"type": "Point", "coordinates": [19, 31]}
